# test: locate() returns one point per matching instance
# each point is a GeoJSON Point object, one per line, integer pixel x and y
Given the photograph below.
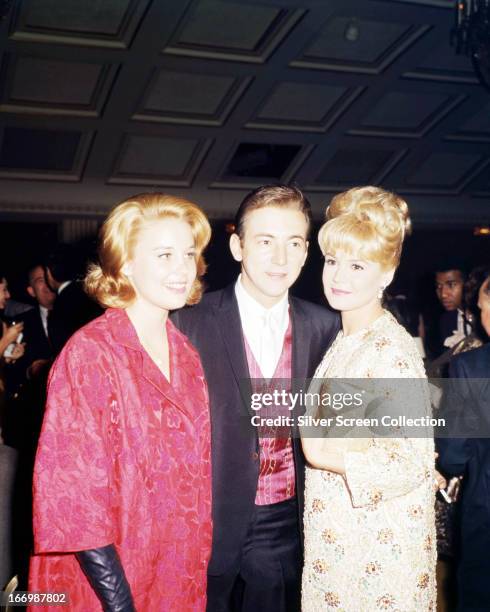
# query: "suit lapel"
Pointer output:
{"type": "Point", "coordinates": [301, 340]}
{"type": "Point", "coordinates": [230, 328]}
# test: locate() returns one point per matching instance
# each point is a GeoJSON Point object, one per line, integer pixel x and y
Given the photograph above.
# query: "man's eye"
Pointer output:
{"type": "Point", "coordinates": [164, 255]}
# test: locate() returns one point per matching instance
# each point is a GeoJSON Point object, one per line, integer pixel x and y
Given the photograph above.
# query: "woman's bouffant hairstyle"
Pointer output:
{"type": "Point", "coordinates": [367, 221]}
{"type": "Point", "coordinates": [105, 281]}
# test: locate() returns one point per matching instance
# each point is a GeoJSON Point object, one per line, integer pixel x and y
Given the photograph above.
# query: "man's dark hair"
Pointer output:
{"type": "Point", "coordinates": [451, 263]}
{"type": "Point", "coordinates": [63, 263]}
{"type": "Point", "coordinates": [30, 271]}
{"type": "Point", "coordinates": [280, 196]}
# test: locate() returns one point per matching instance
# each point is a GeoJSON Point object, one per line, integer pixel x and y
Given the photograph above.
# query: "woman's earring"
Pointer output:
{"type": "Point", "coordinates": [380, 292]}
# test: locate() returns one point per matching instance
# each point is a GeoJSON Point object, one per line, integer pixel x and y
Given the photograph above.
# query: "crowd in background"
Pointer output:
{"type": "Point", "coordinates": [36, 325]}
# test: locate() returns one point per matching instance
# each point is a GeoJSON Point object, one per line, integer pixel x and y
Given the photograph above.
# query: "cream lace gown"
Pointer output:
{"type": "Point", "coordinates": [370, 535]}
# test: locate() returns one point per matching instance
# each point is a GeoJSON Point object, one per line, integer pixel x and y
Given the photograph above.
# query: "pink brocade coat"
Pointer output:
{"type": "Point", "coordinates": [124, 458]}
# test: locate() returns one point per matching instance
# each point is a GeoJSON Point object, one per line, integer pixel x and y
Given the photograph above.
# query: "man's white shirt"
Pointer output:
{"type": "Point", "coordinates": [264, 328]}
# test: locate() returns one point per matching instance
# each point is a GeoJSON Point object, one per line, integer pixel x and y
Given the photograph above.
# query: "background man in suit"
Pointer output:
{"type": "Point", "coordinates": [73, 307]}
{"type": "Point", "coordinates": [449, 283]}
{"type": "Point", "coordinates": [254, 329]}
{"type": "Point", "coordinates": [38, 346]}
{"type": "Point", "coordinates": [28, 374]}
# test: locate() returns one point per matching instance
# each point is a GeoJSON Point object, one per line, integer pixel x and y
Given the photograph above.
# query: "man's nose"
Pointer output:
{"type": "Point", "coordinates": [280, 254]}
{"type": "Point", "coordinates": [445, 291]}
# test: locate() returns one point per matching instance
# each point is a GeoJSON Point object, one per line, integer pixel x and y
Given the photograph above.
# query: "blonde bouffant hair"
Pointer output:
{"type": "Point", "coordinates": [105, 281]}
{"type": "Point", "coordinates": [368, 222]}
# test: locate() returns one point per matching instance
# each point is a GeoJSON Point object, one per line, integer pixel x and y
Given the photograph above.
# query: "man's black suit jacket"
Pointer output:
{"type": "Point", "coordinates": [214, 328]}
{"type": "Point", "coordinates": [469, 404]}
{"type": "Point", "coordinates": [37, 347]}
{"type": "Point", "coordinates": [37, 343]}
{"type": "Point", "coordinates": [72, 310]}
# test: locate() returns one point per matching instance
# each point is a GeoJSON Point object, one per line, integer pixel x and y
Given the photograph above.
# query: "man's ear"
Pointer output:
{"type": "Point", "coordinates": [236, 247]}
{"type": "Point", "coordinates": [30, 291]}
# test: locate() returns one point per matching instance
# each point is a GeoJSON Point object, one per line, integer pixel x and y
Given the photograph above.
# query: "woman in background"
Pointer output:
{"type": "Point", "coordinates": [369, 502]}
{"type": "Point", "coordinates": [122, 498]}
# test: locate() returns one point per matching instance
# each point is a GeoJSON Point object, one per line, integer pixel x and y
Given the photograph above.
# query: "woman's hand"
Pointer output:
{"type": "Point", "coordinates": [10, 334]}
{"type": "Point", "coordinates": [17, 353]}
{"type": "Point", "coordinates": [439, 481]}
{"type": "Point", "coordinates": [328, 453]}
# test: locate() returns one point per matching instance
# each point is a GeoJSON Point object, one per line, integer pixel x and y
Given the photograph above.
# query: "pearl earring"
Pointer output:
{"type": "Point", "coordinates": [380, 292]}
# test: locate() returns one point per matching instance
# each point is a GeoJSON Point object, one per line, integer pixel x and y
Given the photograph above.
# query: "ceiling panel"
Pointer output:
{"type": "Point", "coordinates": [480, 184]}
{"type": "Point", "coordinates": [251, 164]}
{"type": "Point", "coordinates": [444, 170]}
{"type": "Point", "coordinates": [439, 65]}
{"type": "Point", "coordinates": [406, 114]}
{"type": "Point", "coordinates": [46, 86]}
{"type": "Point", "coordinates": [150, 160]}
{"type": "Point", "coordinates": [475, 128]}
{"type": "Point", "coordinates": [111, 23]}
{"type": "Point", "coordinates": [303, 106]}
{"type": "Point", "coordinates": [171, 97]}
{"type": "Point", "coordinates": [348, 43]}
{"type": "Point", "coordinates": [350, 166]}
{"type": "Point", "coordinates": [232, 30]}
{"type": "Point", "coordinates": [43, 154]}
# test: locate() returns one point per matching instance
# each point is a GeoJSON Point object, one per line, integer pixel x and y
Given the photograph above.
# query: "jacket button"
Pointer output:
{"type": "Point", "coordinates": [255, 456]}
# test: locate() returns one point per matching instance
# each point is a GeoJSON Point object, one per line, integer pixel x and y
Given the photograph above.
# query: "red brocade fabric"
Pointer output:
{"type": "Point", "coordinates": [124, 458]}
{"type": "Point", "coordinates": [276, 475]}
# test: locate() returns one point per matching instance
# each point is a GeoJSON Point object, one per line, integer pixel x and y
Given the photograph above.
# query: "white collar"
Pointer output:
{"type": "Point", "coordinates": [249, 304]}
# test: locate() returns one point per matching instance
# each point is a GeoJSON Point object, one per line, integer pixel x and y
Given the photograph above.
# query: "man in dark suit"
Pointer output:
{"type": "Point", "coordinates": [253, 329]}
{"type": "Point", "coordinates": [35, 333]}
{"type": "Point", "coordinates": [449, 283]}
{"type": "Point", "coordinates": [38, 346]}
{"type": "Point", "coordinates": [468, 416]}
{"type": "Point", "coordinates": [73, 307]}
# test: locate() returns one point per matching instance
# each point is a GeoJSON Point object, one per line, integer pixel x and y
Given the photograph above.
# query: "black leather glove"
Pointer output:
{"type": "Point", "coordinates": [105, 573]}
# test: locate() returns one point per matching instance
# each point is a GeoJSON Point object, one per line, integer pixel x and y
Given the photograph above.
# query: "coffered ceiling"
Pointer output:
{"type": "Point", "coordinates": [101, 99]}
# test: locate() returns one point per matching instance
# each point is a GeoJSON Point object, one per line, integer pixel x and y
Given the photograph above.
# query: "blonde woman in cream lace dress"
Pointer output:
{"type": "Point", "coordinates": [369, 502]}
